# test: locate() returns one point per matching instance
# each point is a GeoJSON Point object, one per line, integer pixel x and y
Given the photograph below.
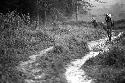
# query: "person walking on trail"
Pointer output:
{"type": "Point", "coordinates": [109, 25]}
{"type": "Point", "coordinates": [94, 22]}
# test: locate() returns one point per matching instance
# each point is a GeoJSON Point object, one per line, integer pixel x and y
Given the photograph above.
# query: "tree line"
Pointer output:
{"type": "Point", "coordinates": [43, 9]}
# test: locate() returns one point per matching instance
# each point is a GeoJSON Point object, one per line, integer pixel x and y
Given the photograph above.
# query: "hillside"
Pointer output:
{"type": "Point", "coordinates": [53, 48]}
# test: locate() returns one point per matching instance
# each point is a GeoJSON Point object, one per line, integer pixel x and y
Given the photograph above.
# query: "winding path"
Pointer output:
{"type": "Point", "coordinates": [73, 72]}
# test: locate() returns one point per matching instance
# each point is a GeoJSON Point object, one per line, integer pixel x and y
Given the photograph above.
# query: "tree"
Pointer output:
{"type": "Point", "coordinates": [61, 8]}
{"type": "Point", "coordinates": [82, 6]}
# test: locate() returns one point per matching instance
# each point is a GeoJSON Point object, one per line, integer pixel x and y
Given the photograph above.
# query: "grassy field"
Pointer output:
{"type": "Point", "coordinates": [20, 38]}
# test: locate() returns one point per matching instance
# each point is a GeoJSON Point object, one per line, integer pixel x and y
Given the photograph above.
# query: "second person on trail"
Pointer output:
{"type": "Point", "coordinates": [94, 22]}
{"type": "Point", "coordinates": [109, 25]}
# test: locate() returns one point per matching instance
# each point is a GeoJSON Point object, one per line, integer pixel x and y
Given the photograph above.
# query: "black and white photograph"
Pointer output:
{"type": "Point", "coordinates": [62, 41]}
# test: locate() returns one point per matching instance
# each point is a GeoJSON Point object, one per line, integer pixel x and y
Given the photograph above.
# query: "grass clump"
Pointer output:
{"type": "Point", "coordinates": [54, 63]}
{"type": "Point", "coordinates": [108, 67]}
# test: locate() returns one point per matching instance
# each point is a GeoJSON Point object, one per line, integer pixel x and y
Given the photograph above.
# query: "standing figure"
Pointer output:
{"type": "Point", "coordinates": [109, 25]}
{"type": "Point", "coordinates": [94, 22]}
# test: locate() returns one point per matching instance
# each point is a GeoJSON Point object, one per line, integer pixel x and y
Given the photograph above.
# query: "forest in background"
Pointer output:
{"type": "Point", "coordinates": [47, 9]}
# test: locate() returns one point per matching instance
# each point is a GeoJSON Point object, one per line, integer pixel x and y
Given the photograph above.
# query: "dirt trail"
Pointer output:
{"type": "Point", "coordinates": [73, 72]}
{"type": "Point", "coordinates": [31, 69]}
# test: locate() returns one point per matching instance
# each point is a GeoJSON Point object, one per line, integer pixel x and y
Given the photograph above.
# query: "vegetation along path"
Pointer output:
{"type": "Point", "coordinates": [73, 73]}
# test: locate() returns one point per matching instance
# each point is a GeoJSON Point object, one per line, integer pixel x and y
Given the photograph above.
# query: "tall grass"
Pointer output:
{"type": "Point", "coordinates": [108, 67]}
{"type": "Point", "coordinates": [19, 39]}
{"type": "Point", "coordinates": [17, 43]}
